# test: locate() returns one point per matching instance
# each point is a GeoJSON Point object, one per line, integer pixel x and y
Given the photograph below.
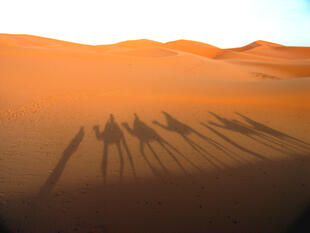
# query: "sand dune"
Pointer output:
{"type": "Point", "coordinates": [143, 52]}
{"type": "Point", "coordinates": [46, 71]}
{"type": "Point", "coordinates": [233, 55]}
{"type": "Point", "coordinates": [282, 52]}
{"type": "Point", "coordinates": [143, 136]}
{"type": "Point", "coordinates": [139, 43]}
{"type": "Point", "coordinates": [31, 41]}
{"type": "Point", "coordinates": [255, 44]}
{"type": "Point", "coordinates": [269, 60]}
{"type": "Point", "coordinates": [278, 70]}
{"type": "Point", "coordinates": [194, 47]}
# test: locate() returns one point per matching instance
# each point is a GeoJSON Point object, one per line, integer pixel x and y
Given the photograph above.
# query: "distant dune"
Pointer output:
{"type": "Point", "coordinates": [255, 44]}
{"type": "Point", "coordinates": [282, 52]}
{"type": "Point", "coordinates": [144, 52]}
{"type": "Point", "coordinates": [31, 41]}
{"type": "Point", "coordinates": [49, 65]}
{"type": "Point", "coordinates": [277, 57]}
{"type": "Point", "coordinates": [139, 43]}
{"type": "Point", "coordinates": [194, 47]}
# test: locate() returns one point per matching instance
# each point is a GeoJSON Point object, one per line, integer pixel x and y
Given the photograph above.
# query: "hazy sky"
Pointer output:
{"type": "Point", "coordinates": [224, 23]}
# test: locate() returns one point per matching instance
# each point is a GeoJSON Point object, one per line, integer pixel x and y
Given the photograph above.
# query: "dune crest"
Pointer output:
{"type": "Point", "coordinates": [139, 43]}
{"type": "Point", "coordinates": [255, 44]}
{"type": "Point", "coordinates": [198, 48]}
{"type": "Point", "coordinates": [22, 40]}
{"type": "Point", "coordinates": [143, 52]}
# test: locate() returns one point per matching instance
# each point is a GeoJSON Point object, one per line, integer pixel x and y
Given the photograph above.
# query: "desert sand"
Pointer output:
{"type": "Point", "coordinates": [144, 136]}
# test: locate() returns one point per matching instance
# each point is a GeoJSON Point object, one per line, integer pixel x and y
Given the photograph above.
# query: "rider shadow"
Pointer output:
{"type": "Point", "coordinates": [250, 132]}
{"type": "Point", "coordinates": [174, 125]}
{"type": "Point", "coordinates": [58, 170]}
{"type": "Point", "coordinates": [276, 136]}
{"type": "Point", "coordinates": [146, 135]}
{"type": "Point", "coordinates": [112, 134]}
{"type": "Point", "coordinates": [236, 127]}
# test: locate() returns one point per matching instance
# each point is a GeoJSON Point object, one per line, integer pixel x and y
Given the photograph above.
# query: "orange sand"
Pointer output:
{"type": "Point", "coordinates": [143, 136]}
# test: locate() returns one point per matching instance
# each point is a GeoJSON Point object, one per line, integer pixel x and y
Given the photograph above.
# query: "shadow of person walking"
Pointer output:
{"type": "Point", "coordinates": [59, 168]}
{"type": "Point", "coordinates": [146, 135]}
{"type": "Point", "coordinates": [112, 134]}
{"type": "Point", "coordinates": [46, 189]}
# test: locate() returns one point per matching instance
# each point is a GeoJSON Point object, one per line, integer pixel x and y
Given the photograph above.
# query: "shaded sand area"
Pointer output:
{"type": "Point", "coordinates": [143, 136]}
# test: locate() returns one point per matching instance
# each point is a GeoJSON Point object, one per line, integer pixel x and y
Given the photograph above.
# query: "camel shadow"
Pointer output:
{"type": "Point", "coordinates": [112, 134]}
{"type": "Point", "coordinates": [240, 127]}
{"type": "Point", "coordinates": [256, 132]}
{"type": "Point", "coordinates": [174, 125]}
{"type": "Point", "coordinates": [146, 135]}
{"type": "Point", "coordinates": [276, 136]}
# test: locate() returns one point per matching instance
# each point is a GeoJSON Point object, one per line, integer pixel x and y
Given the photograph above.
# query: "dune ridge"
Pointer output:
{"type": "Point", "coordinates": [255, 44]}
{"type": "Point", "coordinates": [246, 59]}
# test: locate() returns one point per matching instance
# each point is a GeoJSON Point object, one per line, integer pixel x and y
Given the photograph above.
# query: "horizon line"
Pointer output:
{"type": "Point", "coordinates": [141, 39]}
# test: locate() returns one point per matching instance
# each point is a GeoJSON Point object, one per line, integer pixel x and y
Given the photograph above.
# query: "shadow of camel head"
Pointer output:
{"type": "Point", "coordinates": [136, 116]}
{"type": "Point", "coordinates": [166, 114]}
{"type": "Point", "coordinates": [111, 117]}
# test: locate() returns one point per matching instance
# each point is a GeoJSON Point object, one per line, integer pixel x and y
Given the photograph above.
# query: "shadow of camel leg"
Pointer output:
{"type": "Point", "coordinates": [130, 159]}
{"type": "Point", "coordinates": [158, 159]}
{"type": "Point", "coordinates": [147, 161]}
{"type": "Point", "coordinates": [203, 155]}
{"type": "Point", "coordinates": [183, 156]}
{"type": "Point", "coordinates": [267, 144]}
{"type": "Point", "coordinates": [226, 151]}
{"type": "Point", "coordinates": [220, 147]}
{"type": "Point", "coordinates": [206, 152]}
{"type": "Point", "coordinates": [173, 157]}
{"type": "Point", "coordinates": [104, 163]}
{"type": "Point", "coordinates": [235, 144]}
{"type": "Point", "coordinates": [292, 147]}
{"type": "Point", "coordinates": [121, 163]}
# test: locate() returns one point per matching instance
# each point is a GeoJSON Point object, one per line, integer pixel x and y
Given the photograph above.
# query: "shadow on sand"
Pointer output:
{"type": "Point", "coordinates": [259, 197]}
{"type": "Point", "coordinates": [217, 200]}
{"type": "Point", "coordinates": [58, 170]}
{"type": "Point", "coordinates": [44, 193]}
{"type": "Point", "coordinates": [174, 125]}
{"type": "Point", "coordinates": [259, 133]}
{"type": "Point", "coordinates": [112, 134]}
{"type": "Point", "coordinates": [146, 135]}
{"type": "Point", "coordinates": [276, 136]}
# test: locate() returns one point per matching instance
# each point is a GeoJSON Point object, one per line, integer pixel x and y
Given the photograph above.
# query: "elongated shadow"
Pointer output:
{"type": "Point", "coordinates": [174, 125]}
{"type": "Point", "coordinates": [112, 134]}
{"type": "Point", "coordinates": [257, 155]}
{"type": "Point", "coordinates": [250, 132]}
{"type": "Point", "coordinates": [48, 186]}
{"type": "Point", "coordinates": [58, 170]}
{"type": "Point", "coordinates": [146, 135]}
{"type": "Point", "coordinates": [285, 139]}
